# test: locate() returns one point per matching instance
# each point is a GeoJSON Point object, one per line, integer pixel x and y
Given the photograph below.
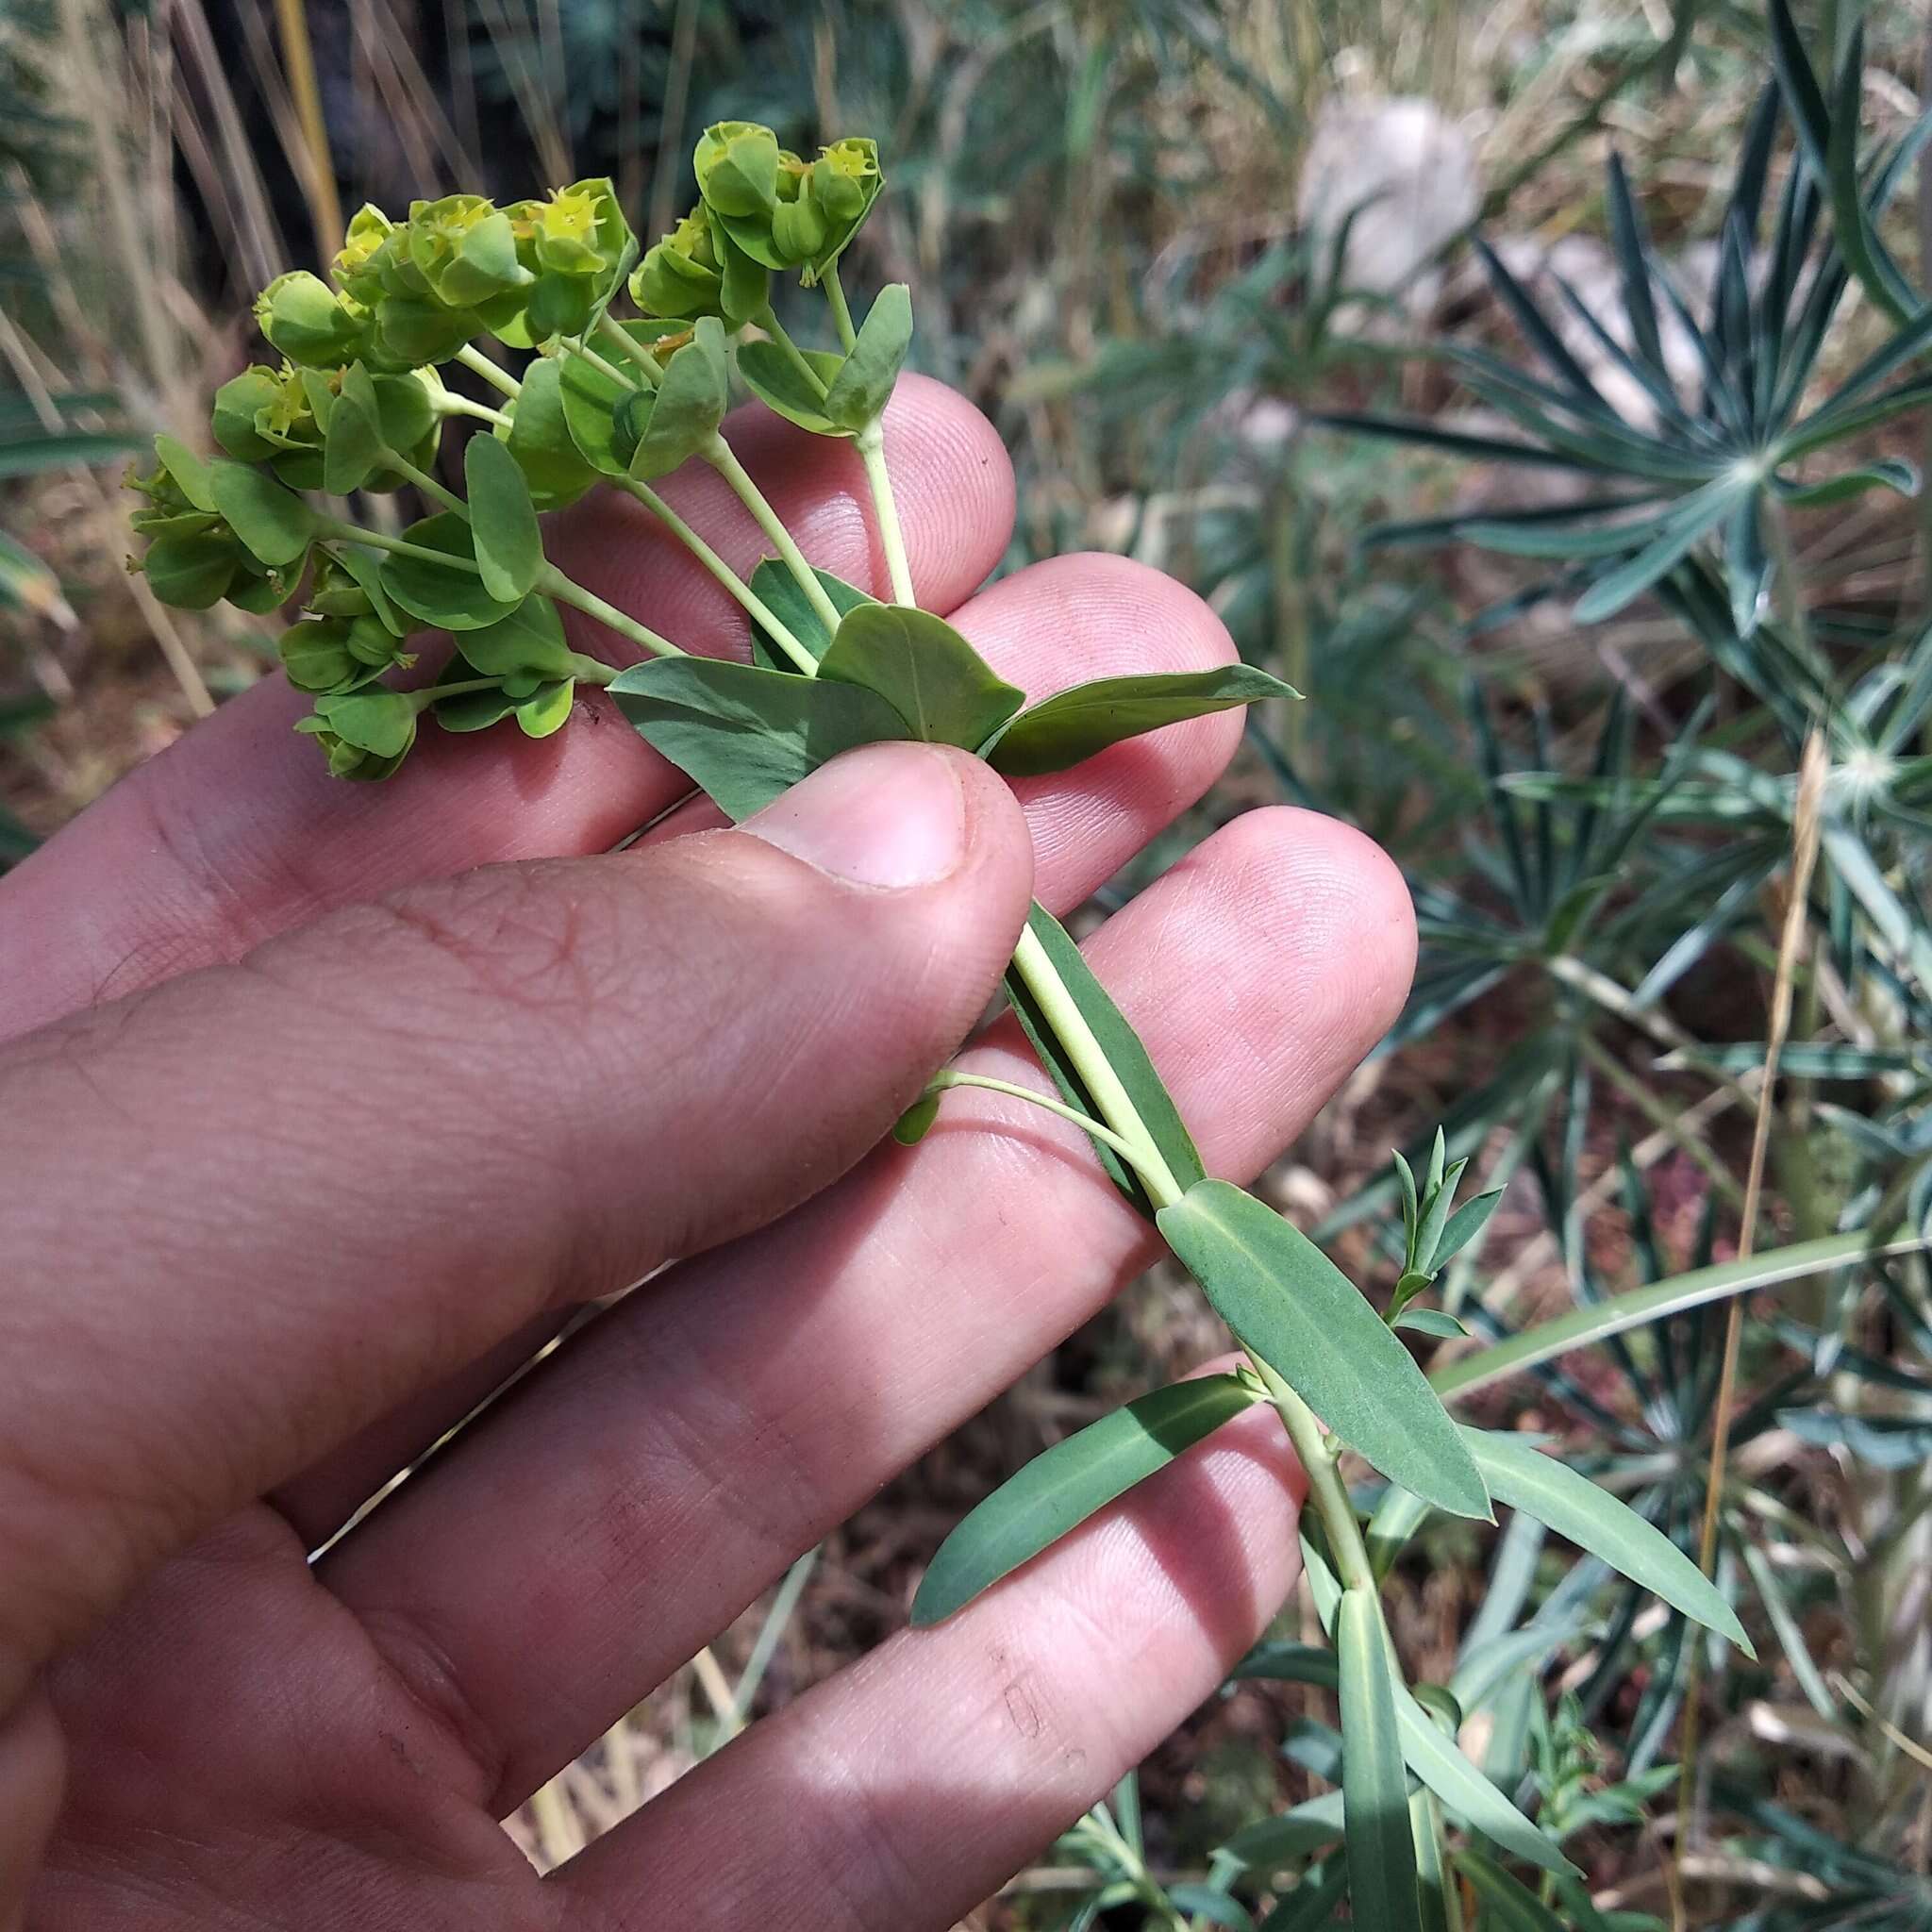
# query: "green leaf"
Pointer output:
{"type": "Point", "coordinates": [1507, 1907]}
{"type": "Point", "coordinates": [1124, 1054]}
{"type": "Point", "coordinates": [1524, 1478]}
{"type": "Point", "coordinates": [450, 597]}
{"type": "Point", "coordinates": [1468, 1792]}
{"type": "Point", "coordinates": [1375, 1786]}
{"type": "Point", "coordinates": [273, 523]}
{"type": "Point", "coordinates": [548, 708]}
{"type": "Point", "coordinates": [191, 570]}
{"type": "Point", "coordinates": [916, 1123]}
{"type": "Point", "coordinates": [746, 734]}
{"type": "Point", "coordinates": [365, 567]}
{"type": "Point", "coordinates": [1087, 718]}
{"type": "Point", "coordinates": [1463, 1226]}
{"type": "Point", "coordinates": [474, 710]}
{"type": "Point", "coordinates": [944, 690]}
{"type": "Point", "coordinates": [529, 639]}
{"type": "Point", "coordinates": [589, 398]}
{"type": "Point", "coordinates": [1678, 533]}
{"type": "Point", "coordinates": [1066, 1484]}
{"type": "Point", "coordinates": [779, 589]}
{"type": "Point", "coordinates": [1598, 1321]}
{"type": "Point", "coordinates": [778, 383]}
{"type": "Point", "coordinates": [352, 446]}
{"type": "Point", "coordinates": [539, 439]}
{"type": "Point", "coordinates": [1273, 1845]}
{"type": "Point", "coordinates": [691, 403]}
{"type": "Point", "coordinates": [864, 383]}
{"type": "Point", "coordinates": [1431, 1321]}
{"type": "Point", "coordinates": [1287, 1302]}
{"type": "Point", "coordinates": [190, 472]}
{"type": "Point", "coordinates": [379, 722]}
{"type": "Point", "coordinates": [503, 520]}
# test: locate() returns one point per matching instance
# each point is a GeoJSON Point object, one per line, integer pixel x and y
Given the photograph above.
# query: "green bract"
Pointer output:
{"type": "Point", "coordinates": [194, 557]}
{"type": "Point", "coordinates": [309, 322]}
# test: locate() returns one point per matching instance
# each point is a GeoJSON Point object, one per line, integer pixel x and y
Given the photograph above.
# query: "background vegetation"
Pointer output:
{"type": "Point", "coordinates": [1662, 797]}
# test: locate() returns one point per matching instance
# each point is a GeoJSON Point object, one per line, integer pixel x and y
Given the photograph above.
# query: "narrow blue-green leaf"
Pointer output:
{"type": "Point", "coordinates": [1273, 1845]}
{"type": "Point", "coordinates": [1212, 1907]}
{"type": "Point", "coordinates": [1507, 1907]}
{"type": "Point", "coordinates": [1066, 1484]}
{"type": "Point", "coordinates": [1524, 1478]}
{"type": "Point", "coordinates": [1468, 1792]}
{"type": "Point", "coordinates": [944, 690]}
{"type": "Point", "coordinates": [1125, 1053]}
{"type": "Point", "coordinates": [1287, 1301]}
{"type": "Point", "coordinates": [502, 519]}
{"type": "Point", "coordinates": [1087, 718]}
{"type": "Point", "coordinates": [1435, 1883]}
{"type": "Point", "coordinates": [1375, 1786]}
{"type": "Point", "coordinates": [1444, 1327]}
{"type": "Point", "coordinates": [1311, 1905]}
{"type": "Point", "coordinates": [1597, 1321]}
{"type": "Point", "coordinates": [744, 734]}
{"type": "Point", "coordinates": [1464, 1225]}
{"type": "Point", "coordinates": [1699, 512]}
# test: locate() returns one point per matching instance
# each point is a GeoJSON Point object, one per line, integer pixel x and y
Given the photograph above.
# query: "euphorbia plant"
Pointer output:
{"type": "Point", "coordinates": [356, 405]}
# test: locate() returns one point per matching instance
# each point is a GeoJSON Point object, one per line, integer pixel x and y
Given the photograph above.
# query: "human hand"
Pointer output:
{"type": "Point", "coordinates": [310, 1132]}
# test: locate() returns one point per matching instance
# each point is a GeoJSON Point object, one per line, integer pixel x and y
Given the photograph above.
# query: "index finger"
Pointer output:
{"type": "Point", "coordinates": [237, 833]}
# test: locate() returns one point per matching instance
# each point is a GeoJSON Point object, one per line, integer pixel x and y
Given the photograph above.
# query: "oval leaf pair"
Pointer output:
{"type": "Point", "coordinates": [937, 683]}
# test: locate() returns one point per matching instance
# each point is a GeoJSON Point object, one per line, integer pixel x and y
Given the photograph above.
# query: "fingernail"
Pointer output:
{"type": "Point", "coordinates": [888, 815]}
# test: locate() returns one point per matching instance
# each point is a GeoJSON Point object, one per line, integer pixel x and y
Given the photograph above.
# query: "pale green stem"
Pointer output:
{"type": "Point", "coordinates": [841, 316]}
{"type": "Point", "coordinates": [951, 1076]}
{"type": "Point", "coordinates": [760, 611]}
{"type": "Point", "coordinates": [450, 404]}
{"type": "Point", "coordinates": [629, 347]}
{"type": "Point", "coordinates": [552, 582]}
{"type": "Point", "coordinates": [1063, 1013]}
{"type": "Point", "coordinates": [719, 453]}
{"type": "Point", "coordinates": [400, 546]}
{"type": "Point", "coordinates": [427, 484]}
{"type": "Point", "coordinates": [870, 444]}
{"type": "Point", "coordinates": [427, 697]}
{"type": "Point", "coordinates": [472, 358]}
{"type": "Point", "coordinates": [792, 353]}
{"type": "Point", "coordinates": [1326, 1489]}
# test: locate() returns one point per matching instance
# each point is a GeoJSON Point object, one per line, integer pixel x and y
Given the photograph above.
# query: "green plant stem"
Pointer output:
{"type": "Point", "coordinates": [552, 582]}
{"type": "Point", "coordinates": [792, 353]}
{"type": "Point", "coordinates": [761, 612]}
{"type": "Point", "coordinates": [842, 315]}
{"type": "Point", "coordinates": [400, 546]}
{"type": "Point", "coordinates": [426, 697]}
{"type": "Point", "coordinates": [427, 484]}
{"type": "Point", "coordinates": [629, 347]}
{"type": "Point", "coordinates": [722, 457]}
{"type": "Point", "coordinates": [450, 404]}
{"type": "Point", "coordinates": [870, 444]}
{"type": "Point", "coordinates": [1326, 1489]}
{"type": "Point", "coordinates": [950, 1076]}
{"type": "Point", "coordinates": [474, 359]}
{"type": "Point", "coordinates": [1058, 1005]}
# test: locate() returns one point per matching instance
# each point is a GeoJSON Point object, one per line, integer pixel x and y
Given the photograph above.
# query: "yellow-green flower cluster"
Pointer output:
{"type": "Point", "coordinates": [761, 209]}
{"type": "Point", "coordinates": [410, 293]}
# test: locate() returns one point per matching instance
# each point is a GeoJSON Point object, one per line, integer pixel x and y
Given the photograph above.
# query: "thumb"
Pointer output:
{"type": "Point", "coordinates": [248, 1211]}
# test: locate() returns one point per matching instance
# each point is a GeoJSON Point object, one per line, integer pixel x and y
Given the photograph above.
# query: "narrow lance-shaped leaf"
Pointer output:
{"type": "Point", "coordinates": [1124, 1054]}
{"type": "Point", "coordinates": [1087, 718]}
{"type": "Point", "coordinates": [1375, 1785]}
{"type": "Point", "coordinates": [502, 519]}
{"type": "Point", "coordinates": [1066, 1484]}
{"type": "Point", "coordinates": [1287, 1302]}
{"type": "Point", "coordinates": [1524, 1478]}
